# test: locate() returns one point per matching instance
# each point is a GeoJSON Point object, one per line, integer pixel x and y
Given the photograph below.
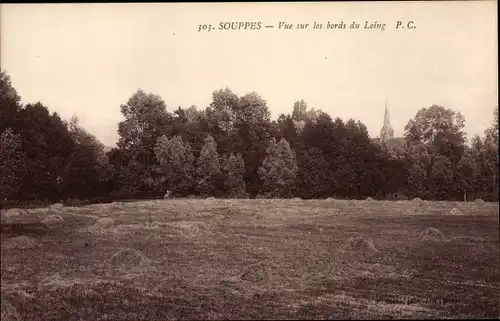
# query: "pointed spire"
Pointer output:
{"type": "Point", "coordinates": [386, 133]}
{"type": "Point", "coordinates": [387, 119]}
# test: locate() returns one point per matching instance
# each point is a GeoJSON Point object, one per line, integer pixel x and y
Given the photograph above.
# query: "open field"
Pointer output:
{"type": "Point", "coordinates": [253, 259]}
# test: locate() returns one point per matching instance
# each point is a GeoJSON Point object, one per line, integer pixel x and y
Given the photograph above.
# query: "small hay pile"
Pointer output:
{"type": "Point", "coordinates": [361, 244]}
{"type": "Point", "coordinates": [9, 313]}
{"type": "Point", "coordinates": [56, 206]}
{"type": "Point", "coordinates": [369, 199]}
{"type": "Point", "coordinates": [416, 200]}
{"type": "Point", "coordinates": [104, 222]}
{"type": "Point", "coordinates": [456, 212]}
{"type": "Point", "coordinates": [229, 211]}
{"type": "Point", "coordinates": [104, 210]}
{"type": "Point", "coordinates": [115, 205]}
{"type": "Point", "coordinates": [189, 229]}
{"type": "Point", "coordinates": [21, 242]}
{"type": "Point", "coordinates": [431, 234]}
{"type": "Point", "coordinates": [413, 211]}
{"type": "Point", "coordinates": [130, 228]}
{"type": "Point", "coordinates": [52, 219]}
{"type": "Point", "coordinates": [15, 212]}
{"type": "Point", "coordinates": [260, 272]}
{"type": "Point", "coordinates": [127, 258]}
{"type": "Point", "coordinates": [479, 201]}
{"type": "Point", "coordinates": [330, 199]}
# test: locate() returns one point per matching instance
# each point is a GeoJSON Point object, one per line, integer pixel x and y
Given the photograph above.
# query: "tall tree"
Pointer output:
{"type": "Point", "coordinates": [491, 142]}
{"type": "Point", "coordinates": [208, 172]}
{"type": "Point", "coordinates": [222, 112]}
{"type": "Point", "coordinates": [88, 168]}
{"type": "Point", "coordinates": [419, 167]}
{"type": "Point", "coordinates": [288, 130]}
{"type": "Point", "coordinates": [10, 103]}
{"type": "Point", "coordinates": [441, 177]}
{"type": "Point", "coordinates": [279, 169]}
{"type": "Point", "coordinates": [466, 171]}
{"type": "Point", "coordinates": [192, 125]}
{"type": "Point", "coordinates": [252, 134]}
{"type": "Point", "coordinates": [440, 130]}
{"type": "Point", "coordinates": [12, 164]}
{"type": "Point", "coordinates": [301, 113]}
{"type": "Point", "coordinates": [315, 179]}
{"type": "Point", "coordinates": [146, 119]}
{"type": "Point", "coordinates": [484, 166]}
{"type": "Point", "coordinates": [233, 168]}
{"type": "Point", "coordinates": [176, 165]}
{"type": "Point", "coordinates": [48, 145]}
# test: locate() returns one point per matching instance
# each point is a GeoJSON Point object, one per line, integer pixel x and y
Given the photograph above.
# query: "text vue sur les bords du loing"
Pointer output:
{"type": "Point", "coordinates": [283, 25]}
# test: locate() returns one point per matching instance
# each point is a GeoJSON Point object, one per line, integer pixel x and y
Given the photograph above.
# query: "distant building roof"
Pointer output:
{"type": "Point", "coordinates": [397, 141]}
{"type": "Point", "coordinates": [395, 146]}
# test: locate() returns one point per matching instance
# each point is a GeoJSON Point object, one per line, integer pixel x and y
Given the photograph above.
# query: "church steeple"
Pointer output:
{"type": "Point", "coordinates": [387, 119]}
{"type": "Point", "coordinates": [386, 133]}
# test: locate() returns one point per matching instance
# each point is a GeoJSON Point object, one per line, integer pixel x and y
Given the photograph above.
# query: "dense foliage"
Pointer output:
{"type": "Point", "coordinates": [232, 148]}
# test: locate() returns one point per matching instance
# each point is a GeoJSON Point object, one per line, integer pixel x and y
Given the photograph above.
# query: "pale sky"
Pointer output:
{"type": "Point", "coordinates": [87, 59]}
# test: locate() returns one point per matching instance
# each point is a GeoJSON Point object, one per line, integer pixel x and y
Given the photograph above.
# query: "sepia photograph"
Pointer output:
{"type": "Point", "coordinates": [249, 161]}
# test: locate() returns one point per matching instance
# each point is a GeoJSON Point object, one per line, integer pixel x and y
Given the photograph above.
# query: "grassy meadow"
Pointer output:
{"type": "Point", "coordinates": [251, 259]}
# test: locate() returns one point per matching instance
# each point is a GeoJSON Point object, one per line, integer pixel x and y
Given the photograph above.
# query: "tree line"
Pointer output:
{"type": "Point", "coordinates": [233, 149]}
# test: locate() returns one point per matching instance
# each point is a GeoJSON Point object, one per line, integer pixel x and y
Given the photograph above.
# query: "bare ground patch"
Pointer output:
{"type": "Point", "coordinates": [21, 242]}
{"type": "Point", "coordinates": [9, 312]}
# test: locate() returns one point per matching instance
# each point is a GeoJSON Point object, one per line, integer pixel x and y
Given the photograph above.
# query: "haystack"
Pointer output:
{"type": "Point", "coordinates": [259, 272]}
{"type": "Point", "coordinates": [189, 229]}
{"type": "Point", "coordinates": [15, 212]}
{"type": "Point", "coordinates": [127, 258]}
{"type": "Point", "coordinates": [369, 199]}
{"type": "Point", "coordinates": [9, 313]}
{"type": "Point", "coordinates": [210, 198]}
{"type": "Point", "coordinates": [104, 222]}
{"type": "Point", "coordinates": [361, 244]}
{"type": "Point", "coordinates": [417, 199]}
{"type": "Point", "coordinates": [431, 234]}
{"type": "Point", "coordinates": [56, 206]}
{"type": "Point", "coordinates": [52, 219]}
{"type": "Point", "coordinates": [104, 210]}
{"type": "Point", "coordinates": [229, 211]}
{"type": "Point", "coordinates": [21, 242]}
{"type": "Point", "coordinates": [330, 199]}
{"type": "Point", "coordinates": [456, 211]}
{"type": "Point", "coordinates": [479, 201]}
{"type": "Point", "coordinates": [413, 211]}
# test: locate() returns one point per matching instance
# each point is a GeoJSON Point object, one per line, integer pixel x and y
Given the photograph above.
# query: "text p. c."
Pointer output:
{"type": "Point", "coordinates": [409, 25]}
